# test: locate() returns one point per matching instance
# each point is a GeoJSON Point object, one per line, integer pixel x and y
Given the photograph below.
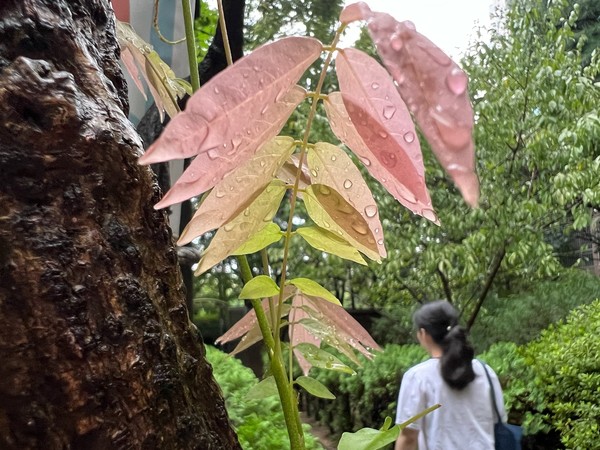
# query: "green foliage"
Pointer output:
{"type": "Point", "coordinates": [259, 423]}
{"type": "Point", "coordinates": [520, 318]}
{"type": "Point", "coordinates": [565, 363]}
{"type": "Point", "coordinates": [204, 28]}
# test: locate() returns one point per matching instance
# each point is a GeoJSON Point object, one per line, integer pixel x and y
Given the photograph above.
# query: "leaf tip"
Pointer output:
{"type": "Point", "coordinates": [354, 12]}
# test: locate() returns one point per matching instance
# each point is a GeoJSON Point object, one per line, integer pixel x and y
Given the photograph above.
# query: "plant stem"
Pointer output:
{"type": "Point", "coordinates": [224, 33]}
{"type": "Point", "coordinates": [190, 42]}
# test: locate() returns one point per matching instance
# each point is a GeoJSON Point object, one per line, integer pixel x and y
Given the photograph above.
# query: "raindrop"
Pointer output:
{"type": "Point", "coordinates": [410, 25]}
{"type": "Point", "coordinates": [237, 140]}
{"type": "Point", "coordinates": [228, 227]}
{"type": "Point", "coordinates": [375, 86]}
{"type": "Point", "coordinates": [380, 242]}
{"type": "Point", "coordinates": [347, 184]}
{"type": "Point", "coordinates": [324, 190]}
{"type": "Point", "coordinates": [389, 111]}
{"type": "Point", "coordinates": [371, 210]}
{"type": "Point", "coordinates": [409, 136]}
{"type": "Point", "coordinates": [263, 164]}
{"type": "Point", "coordinates": [383, 134]}
{"type": "Point", "coordinates": [456, 81]}
{"type": "Point", "coordinates": [264, 110]}
{"type": "Point", "coordinates": [256, 68]}
{"type": "Point", "coordinates": [377, 230]}
{"type": "Point", "coordinates": [333, 157]}
{"type": "Point", "coordinates": [326, 224]}
{"type": "Point", "coordinates": [280, 95]}
{"type": "Point", "coordinates": [213, 153]}
{"type": "Point", "coordinates": [405, 194]}
{"type": "Point", "coordinates": [389, 159]}
{"type": "Point", "coordinates": [366, 161]}
{"type": "Point", "coordinates": [248, 132]}
{"type": "Point", "coordinates": [245, 74]}
{"type": "Point", "coordinates": [247, 212]}
{"type": "Point", "coordinates": [360, 228]}
{"type": "Point", "coordinates": [216, 90]}
{"type": "Point", "coordinates": [219, 194]}
{"type": "Point", "coordinates": [314, 173]}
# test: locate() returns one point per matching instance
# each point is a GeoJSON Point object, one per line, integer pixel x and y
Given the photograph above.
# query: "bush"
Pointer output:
{"type": "Point", "coordinates": [566, 365]}
{"type": "Point", "coordinates": [521, 318]}
{"type": "Point", "coordinates": [259, 423]}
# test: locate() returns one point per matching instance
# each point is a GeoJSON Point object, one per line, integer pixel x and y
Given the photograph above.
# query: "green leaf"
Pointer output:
{"type": "Point", "coordinates": [259, 287]}
{"type": "Point", "coordinates": [314, 387]}
{"type": "Point", "coordinates": [265, 237]}
{"type": "Point", "coordinates": [310, 287]}
{"type": "Point", "coordinates": [322, 359]}
{"type": "Point", "coordinates": [263, 389]}
{"type": "Point", "coordinates": [326, 241]}
{"type": "Point", "coordinates": [368, 439]}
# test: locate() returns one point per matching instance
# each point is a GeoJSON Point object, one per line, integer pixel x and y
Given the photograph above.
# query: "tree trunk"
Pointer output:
{"type": "Point", "coordinates": [96, 348]}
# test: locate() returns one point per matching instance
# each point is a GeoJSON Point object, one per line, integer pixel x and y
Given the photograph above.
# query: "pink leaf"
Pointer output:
{"type": "Point", "coordinates": [384, 158]}
{"type": "Point", "coordinates": [238, 189]}
{"type": "Point", "coordinates": [435, 90]}
{"type": "Point", "coordinates": [395, 144]}
{"type": "Point", "coordinates": [237, 110]}
{"type": "Point", "coordinates": [208, 168]}
{"type": "Point", "coordinates": [354, 12]}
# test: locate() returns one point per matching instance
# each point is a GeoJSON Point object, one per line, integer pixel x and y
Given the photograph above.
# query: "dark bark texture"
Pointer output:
{"type": "Point", "coordinates": [96, 349]}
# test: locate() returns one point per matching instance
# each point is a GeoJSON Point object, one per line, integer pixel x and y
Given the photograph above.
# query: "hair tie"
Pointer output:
{"type": "Point", "coordinates": [449, 327]}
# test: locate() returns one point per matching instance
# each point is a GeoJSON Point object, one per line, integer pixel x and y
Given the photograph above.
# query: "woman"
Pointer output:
{"type": "Point", "coordinates": [451, 378]}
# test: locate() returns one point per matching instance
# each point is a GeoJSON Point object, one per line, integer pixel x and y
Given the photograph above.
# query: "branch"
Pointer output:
{"type": "Point", "coordinates": [497, 261]}
{"type": "Point", "coordinates": [445, 284]}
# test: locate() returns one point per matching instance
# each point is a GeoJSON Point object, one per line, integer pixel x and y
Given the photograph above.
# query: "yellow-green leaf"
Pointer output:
{"type": "Point", "coordinates": [314, 289]}
{"type": "Point", "coordinates": [249, 222]}
{"type": "Point", "coordinates": [331, 166]}
{"type": "Point", "coordinates": [330, 211]}
{"type": "Point", "coordinates": [265, 237]}
{"type": "Point", "coordinates": [322, 359]}
{"type": "Point", "coordinates": [261, 286]}
{"type": "Point", "coordinates": [314, 387]}
{"type": "Point", "coordinates": [326, 241]}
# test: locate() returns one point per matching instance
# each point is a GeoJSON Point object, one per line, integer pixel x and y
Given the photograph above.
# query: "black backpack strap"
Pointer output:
{"type": "Point", "coordinates": [493, 394]}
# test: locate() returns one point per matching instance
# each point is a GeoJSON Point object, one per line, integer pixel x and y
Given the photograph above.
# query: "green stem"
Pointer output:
{"type": "Point", "coordinates": [190, 42]}
{"type": "Point", "coordinates": [226, 45]}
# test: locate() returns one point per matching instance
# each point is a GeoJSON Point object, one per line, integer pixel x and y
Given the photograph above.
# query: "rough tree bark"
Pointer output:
{"type": "Point", "coordinates": [96, 350]}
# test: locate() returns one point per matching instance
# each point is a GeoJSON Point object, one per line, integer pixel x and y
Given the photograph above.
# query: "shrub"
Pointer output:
{"type": "Point", "coordinates": [259, 423]}
{"type": "Point", "coordinates": [521, 318]}
{"type": "Point", "coordinates": [566, 364]}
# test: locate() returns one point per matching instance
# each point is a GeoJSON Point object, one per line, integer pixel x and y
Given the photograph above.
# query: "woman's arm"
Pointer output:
{"type": "Point", "coordinates": [407, 440]}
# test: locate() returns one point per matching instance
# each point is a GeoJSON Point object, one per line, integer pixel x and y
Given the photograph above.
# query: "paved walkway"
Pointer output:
{"type": "Point", "coordinates": [319, 431]}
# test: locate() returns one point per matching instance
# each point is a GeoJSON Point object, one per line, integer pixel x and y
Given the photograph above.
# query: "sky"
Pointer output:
{"type": "Point", "coordinates": [447, 23]}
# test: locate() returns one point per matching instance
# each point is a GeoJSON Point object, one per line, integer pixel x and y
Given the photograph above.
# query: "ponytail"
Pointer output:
{"type": "Point", "coordinates": [440, 320]}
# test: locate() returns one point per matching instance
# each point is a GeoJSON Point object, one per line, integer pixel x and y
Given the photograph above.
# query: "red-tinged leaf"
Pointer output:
{"type": "Point", "coordinates": [326, 241]}
{"type": "Point", "coordinates": [354, 12]}
{"type": "Point", "coordinates": [246, 323]}
{"type": "Point", "coordinates": [435, 90]}
{"type": "Point", "coordinates": [208, 168]}
{"type": "Point", "coordinates": [249, 222]}
{"type": "Point", "coordinates": [380, 156]}
{"type": "Point", "coordinates": [328, 209]}
{"type": "Point", "coordinates": [331, 166]}
{"type": "Point", "coordinates": [346, 326]}
{"type": "Point", "coordinates": [238, 189]}
{"type": "Point", "coordinates": [299, 334]}
{"type": "Point", "coordinates": [137, 54]}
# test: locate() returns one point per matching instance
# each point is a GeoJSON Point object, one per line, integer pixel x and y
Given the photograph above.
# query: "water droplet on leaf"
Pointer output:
{"type": "Point", "coordinates": [347, 184]}
{"type": "Point", "coordinates": [371, 210]}
{"type": "Point", "coordinates": [457, 81]}
{"type": "Point", "coordinates": [409, 136]}
{"type": "Point", "coordinates": [213, 153]}
{"type": "Point", "coordinates": [360, 228]}
{"type": "Point", "coordinates": [366, 161]}
{"type": "Point", "coordinates": [375, 86]}
{"type": "Point", "coordinates": [389, 111]}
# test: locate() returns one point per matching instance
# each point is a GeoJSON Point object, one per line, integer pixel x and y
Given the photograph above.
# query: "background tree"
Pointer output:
{"type": "Point", "coordinates": [97, 350]}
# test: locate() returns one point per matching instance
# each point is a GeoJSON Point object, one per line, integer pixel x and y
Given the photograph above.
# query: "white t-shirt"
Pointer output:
{"type": "Point", "coordinates": [466, 418]}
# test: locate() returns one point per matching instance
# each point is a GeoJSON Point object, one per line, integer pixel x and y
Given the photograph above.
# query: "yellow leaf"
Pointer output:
{"type": "Point", "coordinates": [326, 241]}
